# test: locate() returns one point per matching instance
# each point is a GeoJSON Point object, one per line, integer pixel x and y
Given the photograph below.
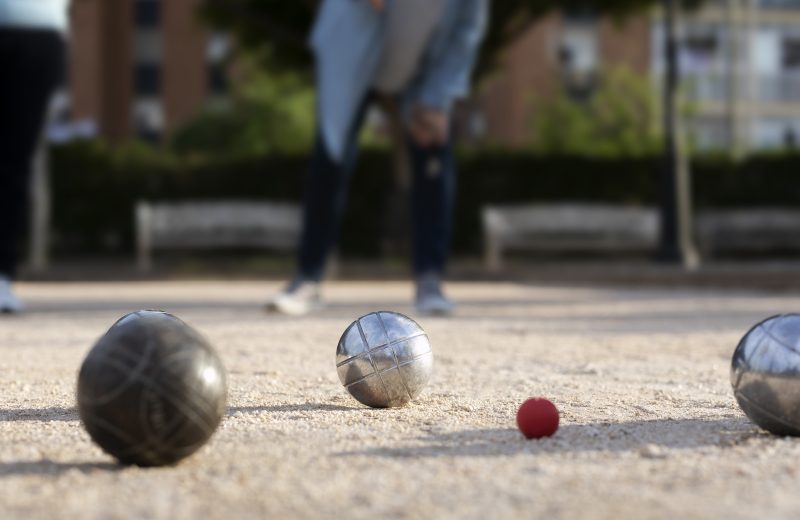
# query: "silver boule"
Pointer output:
{"type": "Point", "coordinates": [765, 374]}
{"type": "Point", "coordinates": [145, 314]}
{"type": "Point", "coordinates": [384, 359]}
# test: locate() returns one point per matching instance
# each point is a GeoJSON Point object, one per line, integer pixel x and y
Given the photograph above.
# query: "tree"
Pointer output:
{"type": "Point", "coordinates": [263, 113]}
{"type": "Point", "coordinates": [675, 239]}
{"type": "Point", "coordinates": [620, 118]}
{"type": "Point", "coordinates": [282, 26]}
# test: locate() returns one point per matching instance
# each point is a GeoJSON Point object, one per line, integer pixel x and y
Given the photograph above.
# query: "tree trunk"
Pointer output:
{"type": "Point", "coordinates": [38, 245]}
{"type": "Point", "coordinates": [676, 244]}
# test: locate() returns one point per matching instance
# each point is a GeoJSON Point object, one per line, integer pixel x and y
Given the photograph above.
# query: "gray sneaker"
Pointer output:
{"type": "Point", "coordinates": [430, 300]}
{"type": "Point", "coordinates": [299, 298]}
{"type": "Point", "coordinates": [9, 303]}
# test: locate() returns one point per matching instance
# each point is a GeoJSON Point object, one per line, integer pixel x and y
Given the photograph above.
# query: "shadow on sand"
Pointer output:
{"type": "Point", "coordinates": [47, 467]}
{"type": "Point", "coordinates": [40, 414]}
{"type": "Point", "coordinates": [573, 438]}
{"type": "Point", "coordinates": [288, 408]}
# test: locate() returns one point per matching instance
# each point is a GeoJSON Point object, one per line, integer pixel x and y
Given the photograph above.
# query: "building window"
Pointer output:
{"type": "Point", "coordinates": [218, 80]}
{"type": "Point", "coordinates": [147, 77]}
{"type": "Point", "coordinates": [779, 4]}
{"type": "Point", "coordinates": [147, 13]}
{"type": "Point", "coordinates": [791, 54]}
{"type": "Point", "coordinates": [700, 52]}
{"type": "Point", "coordinates": [777, 133]}
{"type": "Point", "coordinates": [148, 117]}
{"type": "Point", "coordinates": [148, 46]}
{"type": "Point", "coordinates": [579, 55]}
{"type": "Point", "coordinates": [217, 52]}
{"type": "Point", "coordinates": [148, 53]}
{"type": "Point", "coordinates": [710, 133]}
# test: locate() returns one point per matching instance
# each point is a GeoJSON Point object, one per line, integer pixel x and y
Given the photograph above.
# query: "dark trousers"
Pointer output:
{"type": "Point", "coordinates": [31, 66]}
{"type": "Point", "coordinates": [432, 203]}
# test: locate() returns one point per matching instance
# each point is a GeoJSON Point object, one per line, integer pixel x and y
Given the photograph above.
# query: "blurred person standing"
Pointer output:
{"type": "Point", "coordinates": [31, 67]}
{"type": "Point", "coordinates": [421, 52]}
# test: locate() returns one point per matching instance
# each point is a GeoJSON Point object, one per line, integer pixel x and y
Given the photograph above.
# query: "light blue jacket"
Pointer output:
{"type": "Point", "coordinates": [34, 14]}
{"type": "Point", "coordinates": [347, 41]}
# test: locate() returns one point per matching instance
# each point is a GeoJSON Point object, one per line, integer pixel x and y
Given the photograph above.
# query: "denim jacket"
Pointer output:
{"type": "Point", "coordinates": [34, 14]}
{"type": "Point", "coordinates": [347, 41]}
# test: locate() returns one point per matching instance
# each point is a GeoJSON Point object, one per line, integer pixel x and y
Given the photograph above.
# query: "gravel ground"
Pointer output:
{"type": "Point", "coordinates": [649, 425]}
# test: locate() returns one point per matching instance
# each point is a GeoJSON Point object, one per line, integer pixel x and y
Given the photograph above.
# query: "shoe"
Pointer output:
{"type": "Point", "coordinates": [430, 300]}
{"type": "Point", "coordinates": [299, 298]}
{"type": "Point", "coordinates": [9, 303]}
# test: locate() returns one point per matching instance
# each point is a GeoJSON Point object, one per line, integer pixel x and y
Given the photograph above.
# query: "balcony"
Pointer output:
{"type": "Point", "coordinates": [780, 89]}
{"type": "Point", "coordinates": [758, 4]}
{"type": "Point", "coordinates": [707, 87]}
{"type": "Point", "coordinates": [775, 12]}
{"type": "Point", "coordinates": [778, 4]}
{"type": "Point", "coordinates": [766, 89]}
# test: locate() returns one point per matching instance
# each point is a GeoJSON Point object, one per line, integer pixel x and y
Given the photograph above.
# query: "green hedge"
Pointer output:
{"type": "Point", "coordinates": [95, 188]}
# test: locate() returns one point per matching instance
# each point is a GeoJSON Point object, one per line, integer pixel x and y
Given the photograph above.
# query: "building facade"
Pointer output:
{"type": "Point", "coordinates": [741, 65]}
{"type": "Point", "coordinates": [139, 68]}
{"type": "Point", "coordinates": [739, 59]}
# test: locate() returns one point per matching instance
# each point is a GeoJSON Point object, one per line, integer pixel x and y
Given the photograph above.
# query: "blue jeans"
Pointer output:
{"type": "Point", "coordinates": [432, 203]}
{"type": "Point", "coordinates": [31, 61]}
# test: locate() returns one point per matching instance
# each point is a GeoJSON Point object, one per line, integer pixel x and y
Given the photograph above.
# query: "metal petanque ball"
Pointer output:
{"type": "Point", "coordinates": [384, 359]}
{"type": "Point", "coordinates": [152, 390]}
{"type": "Point", "coordinates": [765, 374]}
{"type": "Point", "coordinates": [144, 314]}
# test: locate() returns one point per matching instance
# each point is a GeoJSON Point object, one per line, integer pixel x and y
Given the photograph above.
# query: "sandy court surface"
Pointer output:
{"type": "Point", "coordinates": [650, 428]}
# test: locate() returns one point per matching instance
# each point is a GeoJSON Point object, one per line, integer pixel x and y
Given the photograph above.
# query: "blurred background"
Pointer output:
{"type": "Point", "coordinates": [178, 144]}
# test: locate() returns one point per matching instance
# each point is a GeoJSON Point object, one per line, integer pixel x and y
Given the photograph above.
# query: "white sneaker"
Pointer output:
{"type": "Point", "coordinates": [9, 303]}
{"type": "Point", "coordinates": [299, 298]}
{"type": "Point", "coordinates": [430, 300]}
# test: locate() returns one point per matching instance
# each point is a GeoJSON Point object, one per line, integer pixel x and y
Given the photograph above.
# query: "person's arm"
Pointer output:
{"type": "Point", "coordinates": [429, 127]}
{"type": "Point", "coordinates": [448, 77]}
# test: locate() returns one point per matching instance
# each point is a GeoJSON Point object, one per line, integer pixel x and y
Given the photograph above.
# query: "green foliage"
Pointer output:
{"type": "Point", "coordinates": [266, 113]}
{"type": "Point", "coordinates": [620, 118]}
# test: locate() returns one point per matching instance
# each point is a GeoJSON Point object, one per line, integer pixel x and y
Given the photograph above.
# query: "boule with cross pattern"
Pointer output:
{"type": "Point", "coordinates": [384, 359]}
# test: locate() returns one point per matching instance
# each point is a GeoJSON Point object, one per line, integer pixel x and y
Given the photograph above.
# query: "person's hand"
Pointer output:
{"type": "Point", "coordinates": [377, 4]}
{"type": "Point", "coordinates": [429, 127]}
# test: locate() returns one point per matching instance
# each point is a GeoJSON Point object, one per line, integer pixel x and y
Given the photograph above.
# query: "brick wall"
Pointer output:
{"type": "Point", "coordinates": [185, 76]}
{"type": "Point", "coordinates": [529, 70]}
{"type": "Point", "coordinates": [100, 66]}
{"type": "Point", "coordinates": [626, 43]}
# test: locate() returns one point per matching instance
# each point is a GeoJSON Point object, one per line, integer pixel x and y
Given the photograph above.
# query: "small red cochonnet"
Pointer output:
{"type": "Point", "coordinates": [537, 418]}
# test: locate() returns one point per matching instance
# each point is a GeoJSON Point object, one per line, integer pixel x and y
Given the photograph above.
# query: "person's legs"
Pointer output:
{"type": "Point", "coordinates": [433, 202]}
{"type": "Point", "coordinates": [323, 208]}
{"type": "Point", "coordinates": [31, 63]}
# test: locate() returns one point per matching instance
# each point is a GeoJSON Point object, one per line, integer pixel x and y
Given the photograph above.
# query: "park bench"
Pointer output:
{"type": "Point", "coordinates": [752, 230]}
{"type": "Point", "coordinates": [567, 228]}
{"type": "Point", "coordinates": [588, 228]}
{"type": "Point", "coordinates": [214, 225]}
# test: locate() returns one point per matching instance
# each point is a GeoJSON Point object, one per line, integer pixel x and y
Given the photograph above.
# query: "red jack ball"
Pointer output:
{"type": "Point", "coordinates": [537, 418]}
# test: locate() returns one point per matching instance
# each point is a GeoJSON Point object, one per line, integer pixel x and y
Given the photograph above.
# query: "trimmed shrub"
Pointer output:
{"type": "Point", "coordinates": [95, 188]}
